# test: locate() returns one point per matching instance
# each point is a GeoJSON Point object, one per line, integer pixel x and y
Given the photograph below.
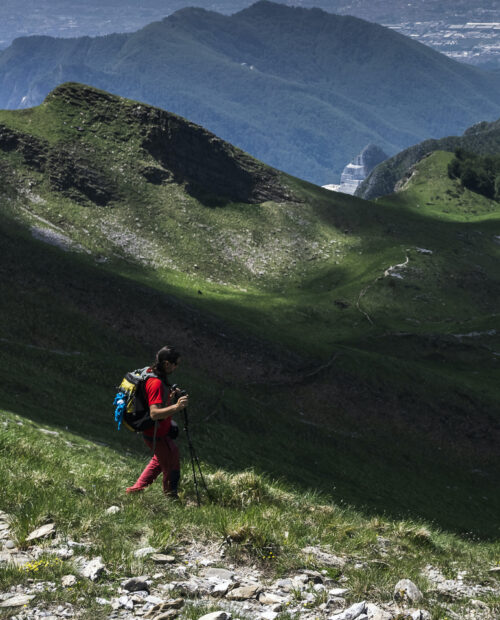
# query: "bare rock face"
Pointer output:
{"type": "Point", "coordinates": [209, 167]}
{"type": "Point", "coordinates": [360, 167]}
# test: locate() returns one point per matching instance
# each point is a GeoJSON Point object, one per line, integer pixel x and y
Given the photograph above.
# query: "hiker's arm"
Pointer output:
{"type": "Point", "coordinates": [160, 413]}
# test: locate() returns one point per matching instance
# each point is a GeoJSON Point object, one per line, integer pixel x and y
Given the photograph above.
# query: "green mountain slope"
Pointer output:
{"type": "Point", "coordinates": [300, 89]}
{"type": "Point", "coordinates": [294, 327]}
{"type": "Point", "coordinates": [483, 139]}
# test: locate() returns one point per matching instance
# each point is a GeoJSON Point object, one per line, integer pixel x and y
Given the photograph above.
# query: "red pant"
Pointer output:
{"type": "Point", "coordinates": [166, 460]}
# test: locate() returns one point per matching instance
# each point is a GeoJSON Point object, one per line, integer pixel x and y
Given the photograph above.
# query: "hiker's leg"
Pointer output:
{"type": "Point", "coordinates": [168, 457]}
{"type": "Point", "coordinates": [150, 473]}
{"type": "Point", "coordinates": [171, 481]}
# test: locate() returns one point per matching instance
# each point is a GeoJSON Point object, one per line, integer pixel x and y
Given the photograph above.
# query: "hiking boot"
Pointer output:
{"type": "Point", "coordinates": [133, 490]}
{"type": "Point", "coordinates": [173, 495]}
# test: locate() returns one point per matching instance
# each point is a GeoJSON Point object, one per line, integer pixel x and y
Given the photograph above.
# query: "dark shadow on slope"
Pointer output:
{"type": "Point", "coordinates": [63, 359]}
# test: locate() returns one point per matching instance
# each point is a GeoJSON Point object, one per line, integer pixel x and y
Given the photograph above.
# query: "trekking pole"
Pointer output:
{"type": "Point", "coordinates": [195, 463]}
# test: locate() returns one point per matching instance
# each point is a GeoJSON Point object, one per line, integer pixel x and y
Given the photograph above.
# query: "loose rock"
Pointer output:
{"type": "Point", "coordinates": [68, 581]}
{"type": "Point", "coordinates": [352, 613]}
{"type": "Point", "coordinates": [244, 593]}
{"type": "Point", "coordinates": [142, 553]}
{"type": "Point", "coordinates": [269, 615]}
{"type": "Point", "coordinates": [18, 601]}
{"type": "Point", "coordinates": [218, 573]}
{"type": "Point", "coordinates": [325, 557]}
{"type": "Point", "coordinates": [221, 588]}
{"type": "Point", "coordinates": [269, 598]}
{"type": "Point", "coordinates": [406, 591]}
{"type": "Point", "coordinates": [93, 569]}
{"type": "Point", "coordinates": [164, 606]}
{"type": "Point", "coordinates": [171, 613]}
{"type": "Point", "coordinates": [112, 510]}
{"type": "Point", "coordinates": [161, 558]}
{"type": "Point", "coordinates": [135, 584]}
{"type": "Point", "coordinates": [42, 532]}
{"type": "Point", "coordinates": [376, 613]}
{"type": "Point", "coordinates": [216, 615]}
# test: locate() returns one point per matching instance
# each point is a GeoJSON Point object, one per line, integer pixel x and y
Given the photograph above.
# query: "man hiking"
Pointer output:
{"type": "Point", "coordinates": [159, 396]}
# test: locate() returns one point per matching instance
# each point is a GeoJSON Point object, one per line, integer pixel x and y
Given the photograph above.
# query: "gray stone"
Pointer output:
{"type": "Point", "coordinates": [145, 551]}
{"type": "Point", "coordinates": [221, 588]}
{"type": "Point", "coordinates": [313, 575]}
{"type": "Point", "coordinates": [126, 602]}
{"type": "Point", "coordinates": [269, 615]}
{"type": "Point", "coordinates": [270, 598]}
{"type": "Point", "coordinates": [164, 607]}
{"type": "Point", "coordinates": [338, 591]}
{"type": "Point", "coordinates": [46, 431]}
{"type": "Point", "coordinates": [325, 557]}
{"type": "Point", "coordinates": [16, 559]}
{"type": "Point", "coordinates": [42, 532]}
{"type": "Point", "coordinates": [285, 584]}
{"type": "Point", "coordinates": [161, 558]}
{"type": "Point", "coordinates": [406, 591]}
{"type": "Point", "coordinates": [417, 614]}
{"type": "Point", "coordinates": [243, 593]}
{"type": "Point", "coordinates": [171, 613]}
{"type": "Point", "coordinates": [93, 569]}
{"type": "Point", "coordinates": [218, 573]}
{"type": "Point", "coordinates": [154, 600]}
{"type": "Point", "coordinates": [352, 613]}
{"type": "Point", "coordinates": [68, 581]}
{"type": "Point", "coordinates": [65, 553]}
{"type": "Point", "coordinates": [216, 615]}
{"type": "Point", "coordinates": [10, 544]}
{"type": "Point", "coordinates": [335, 604]}
{"type": "Point", "coordinates": [376, 613]}
{"type": "Point", "coordinates": [19, 600]}
{"type": "Point", "coordinates": [112, 510]}
{"type": "Point", "coordinates": [135, 584]}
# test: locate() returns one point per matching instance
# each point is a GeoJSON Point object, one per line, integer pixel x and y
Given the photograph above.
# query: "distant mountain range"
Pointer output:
{"type": "Point", "coordinates": [301, 89]}
{"type": "Point", "coordinates": [66, 18]}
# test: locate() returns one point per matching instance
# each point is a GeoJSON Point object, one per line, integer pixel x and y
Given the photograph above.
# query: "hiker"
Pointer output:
{"type": "Point", "coordinates": [159, 395]}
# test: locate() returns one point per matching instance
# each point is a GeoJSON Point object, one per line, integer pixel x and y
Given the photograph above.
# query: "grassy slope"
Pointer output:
{"type": "Point", "coordinates": [69, 322]}
{"type": "Point", "coordinates": [363, 400]}
{"type": "Point", "coordinates": [270, 522]}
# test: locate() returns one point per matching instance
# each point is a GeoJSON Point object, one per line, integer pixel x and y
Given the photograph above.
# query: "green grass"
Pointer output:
{"type": "Point", "coordinates": [72, 482]}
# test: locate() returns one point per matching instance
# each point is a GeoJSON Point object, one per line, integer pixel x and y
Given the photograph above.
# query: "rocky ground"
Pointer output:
{"type": "Point", "coordinates": [194, 575]}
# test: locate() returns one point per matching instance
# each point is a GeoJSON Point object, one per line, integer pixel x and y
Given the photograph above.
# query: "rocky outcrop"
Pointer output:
{"type": "Point", "coordinates": [193, 576]}
{"type": "Point", "coordinates": [360, 167]}
{"type": "Point", "coordinates": [210, 168]}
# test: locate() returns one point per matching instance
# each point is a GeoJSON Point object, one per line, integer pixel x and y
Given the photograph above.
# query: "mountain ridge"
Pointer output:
{"type": "Point", "coordinates": [482, 138]}
{"type": "Point", "coordinates": [266, 79]}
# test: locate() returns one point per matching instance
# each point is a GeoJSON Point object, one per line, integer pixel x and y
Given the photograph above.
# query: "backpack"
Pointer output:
{"type": "Point", "coordinates": [131, 406]}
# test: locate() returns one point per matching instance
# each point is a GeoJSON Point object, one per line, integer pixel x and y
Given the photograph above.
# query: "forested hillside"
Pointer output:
{"type": "Point", "coordinates": [298, 88]}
